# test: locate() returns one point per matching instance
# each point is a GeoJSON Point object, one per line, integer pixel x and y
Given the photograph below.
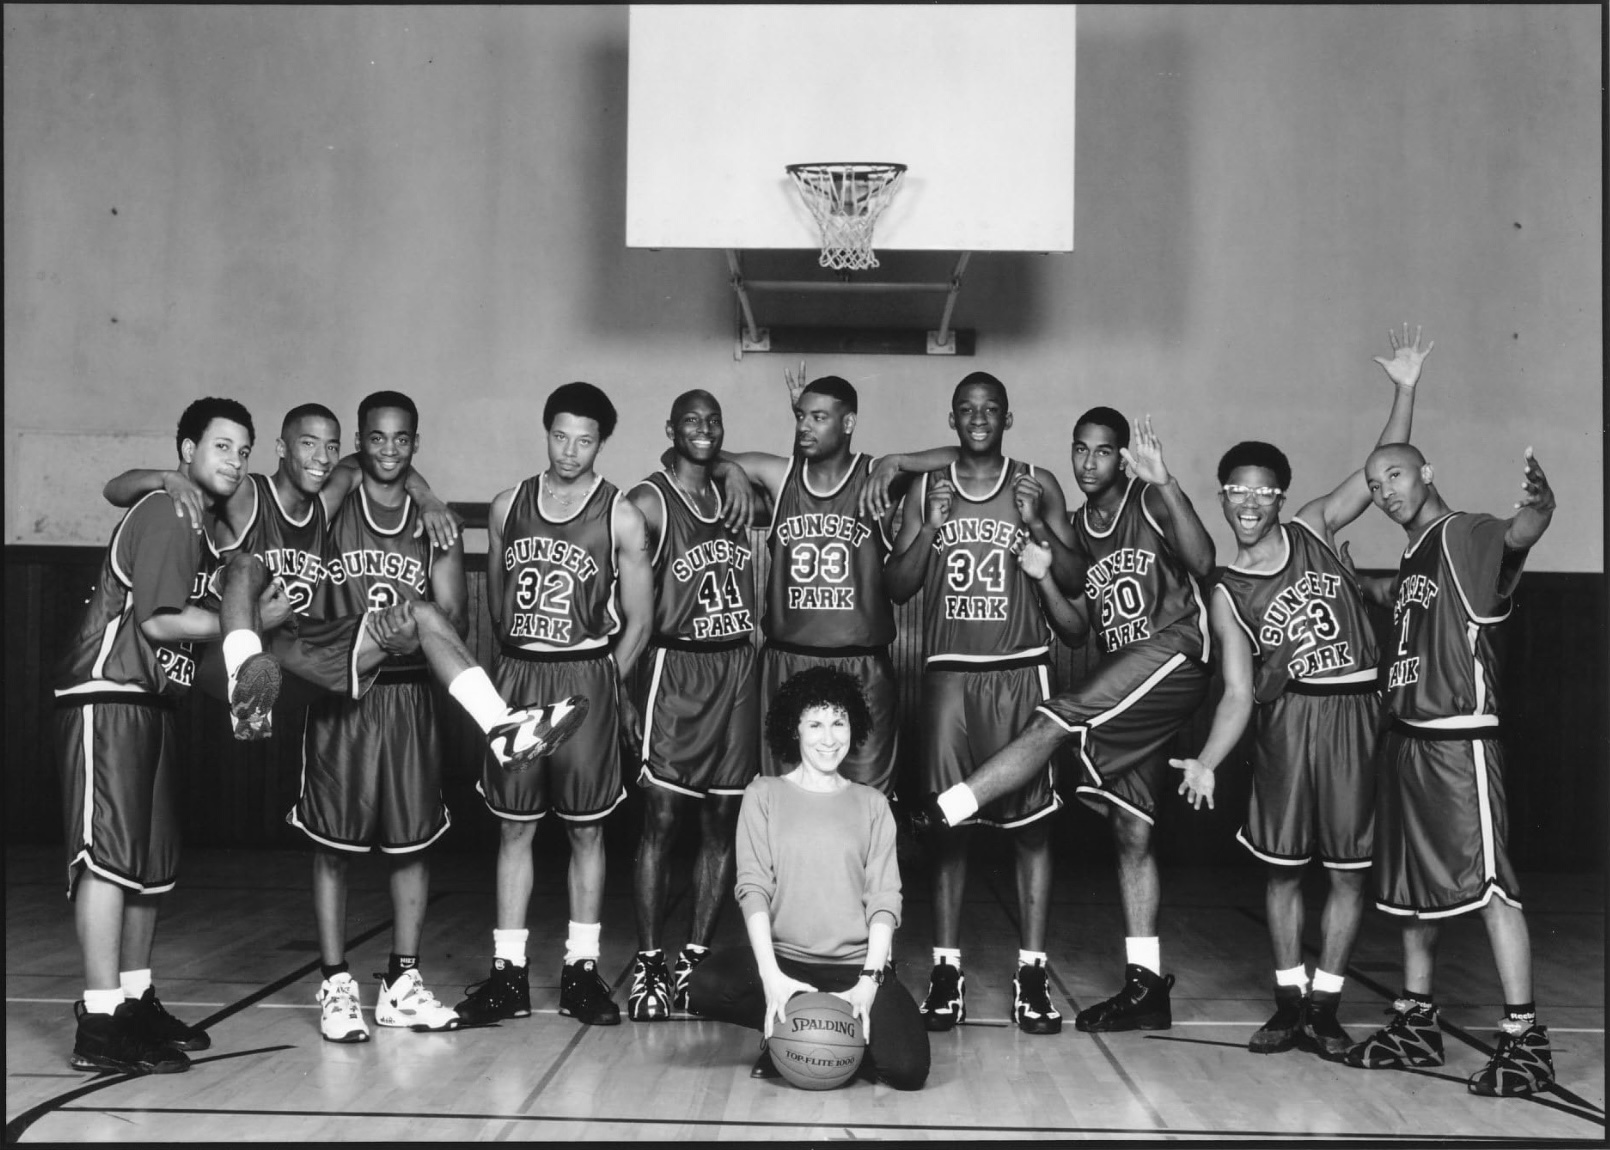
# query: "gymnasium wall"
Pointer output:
{"type": "Point", "coordinates": [285, 204]}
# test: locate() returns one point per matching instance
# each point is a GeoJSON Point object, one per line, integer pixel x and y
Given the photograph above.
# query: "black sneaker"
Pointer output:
{"type": "Point", "coordinates": [1523, 1064]}
{"type": "Point", "coordinates": [686, 963]}
{"type": "Point", "coordinates": [1280, 1032]}
{"type": "Point", "coordinates": [764, 1067]}
{"type": "Point", "coordinates": [1141, 1005]}
{"type": "Point", "coordinates": [584, 996]}
{"type": "Point", "coordinates": [116, 1042]}
{"type": "Point", "coordinates": [946, 1004]}
{"type": "Point", "coordinates": [157, 1025]}
{"type": "Point", "coordinates": [252, 695]}
{"type": "Point", "coordinates": [1412, 1038]}
{"type": "Point", "coordinates": [1320, 1032]}
{"type": "Point", "coordinates": [505, 993]}
{"type": "Point", "coordinates": [650, 997]}
{"type": "Point", "coordinates": [1031, 1001]}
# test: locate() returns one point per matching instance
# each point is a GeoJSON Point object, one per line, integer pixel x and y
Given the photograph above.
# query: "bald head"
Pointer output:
{"type": "Point", "coordinates": [690, 399]}
{"type": "Point", "coordinates": [1406, 454]}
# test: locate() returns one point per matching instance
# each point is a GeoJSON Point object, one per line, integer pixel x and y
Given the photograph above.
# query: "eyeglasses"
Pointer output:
{"type": "Point", "coordinates": [1263, 496]}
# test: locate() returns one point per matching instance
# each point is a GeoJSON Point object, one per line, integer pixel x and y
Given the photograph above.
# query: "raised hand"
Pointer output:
{"type": "Point", "coordinates": [1144, 455]}
{"type": "Point", "coordinates": [796, 384]}
{"type": "Point", "coordinates": [1404, 366]}
{"type": "Point", "coordinates": [1538, 495]}
{"type": "Point", "coordinates": [1197, 784]}
{"type": "Point", "coordinates": [1026, 494]}
{"type": "Point", "coordinates": [941, 493]}
{"type": "Point", "coordinates": [1035, 561]}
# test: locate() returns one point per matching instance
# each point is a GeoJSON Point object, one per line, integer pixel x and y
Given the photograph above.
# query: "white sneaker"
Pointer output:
{"type": "Point", "coordinates": [340, 1016]}
{"type": "Point", "coordinates": [528, 734]}
{"type": "Point", "coordinates": [406, 1002]}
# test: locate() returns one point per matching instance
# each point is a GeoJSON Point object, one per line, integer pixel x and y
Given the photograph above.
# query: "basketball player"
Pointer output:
{"type": "Point", "coordinates": [132, 657]}
{"type": "Point", "coordinates": [987, 668]}
{"type": "Point", "coordinates": [276, 521]}
{"type": "Point", "coordinates": [1297, 603]}
{"type": "Point", "coordinates": [1146, 550]}
{"type": "Point", "coordinates": [702, 713]}
{"type": "Point", "coordinates": [826, 604]}
{"type": "Point", "coordinates": [372, 770]}
{"type": "Point", "coordinates": [569, 575]}
{"type": "Point", "coordinates": [1441, 836]}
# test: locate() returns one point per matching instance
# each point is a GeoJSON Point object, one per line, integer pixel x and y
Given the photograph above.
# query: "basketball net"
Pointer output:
{"type": "Point", "coordinates": [846, 201]}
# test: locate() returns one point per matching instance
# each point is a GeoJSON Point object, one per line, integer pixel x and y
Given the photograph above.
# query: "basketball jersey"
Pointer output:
{"type": "Point", "coordinates": [369, 568]}
{"type": "Point", "coordinates": [292, 550]}
{"type": "Point", "coordinates": [1306, 621]}
{"type": "Point", "coordinates": [1441, 663]}
{"type": "Point", "coordinates": [1137, 586]}
{"type": "Point", "coordinates": [559, 591]}
{"type": "Point", "coordinates": [978, 606]}
{"type": "Point", "coordinates": [825, 585]}
{"type": "Point", "coordinates": [155, 561]}
{"type": "Point", "coordinates": [704, 588]}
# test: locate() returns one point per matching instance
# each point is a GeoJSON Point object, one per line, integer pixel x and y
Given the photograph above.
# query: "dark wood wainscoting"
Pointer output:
{"type": "Point", "coordinates": [236, 794]}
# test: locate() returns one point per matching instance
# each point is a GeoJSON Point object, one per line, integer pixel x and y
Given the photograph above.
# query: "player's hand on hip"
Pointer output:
{"type": "Point", "coordinates": [1403, 368]}
{"type": "Point", "coordinates": [1198, 782]}
{"type": "Point", "coordinates": [1144, 455]}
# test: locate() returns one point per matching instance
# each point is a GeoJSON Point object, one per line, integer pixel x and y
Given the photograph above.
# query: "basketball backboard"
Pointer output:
{"type": "Point", "coordinates": [976, 100]}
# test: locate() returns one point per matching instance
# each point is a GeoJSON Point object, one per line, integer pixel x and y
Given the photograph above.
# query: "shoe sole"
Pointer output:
{"type": "Point", "coordinates": [596, 1020]}
{"type": "Point", "coordinates": [1311, 1045]}
{"type": "Point", "coordinates": [92, 1062]}
{"type": "Point", "coordinates": [1153, 1023]}
{"type": "Point", "coordinates": [1040, 1026]}
{"type": "Point", "coordinates": [251, 703]}
{"type": "Point", "coordinates": [348, 1039]}
{"type": "Point", "coordinates": [638, 1017]}
{"type": "Point", "coordinates": [194, 1042]}
{"type": "Point", "coordinates": [419, 1027]}
{"type": "Point", "coordinates": [1398, 1064]}
{"type": "Point", "coordinates": [1277, 1047]}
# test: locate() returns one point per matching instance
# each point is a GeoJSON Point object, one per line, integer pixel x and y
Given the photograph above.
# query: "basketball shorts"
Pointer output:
{"type": "Point", "coordinates": [1313, 780]}
{"type": "Point", "coordinates": [701, 720]}
{"type": "Point", "coordinates": [319, 658]}
{"type": "Point", "coordinates": [581, 781]}
{"type": "Point", "coordinates": [1441, 828]}
{"type": "Point", "coordinates": [969, 715]}
{"type": "Point", "coordinates": [371, 769]}
{"type": "Point", "coordinates": [872, 763]}
{"type": "Point", "coordinates": [1125, 715]}
{"type": "Point", "coordinates": [119, 785]}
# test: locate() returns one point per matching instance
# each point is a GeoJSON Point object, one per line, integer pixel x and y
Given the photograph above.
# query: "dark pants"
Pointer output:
{"type": "Point", "coordinates": [727, 987]}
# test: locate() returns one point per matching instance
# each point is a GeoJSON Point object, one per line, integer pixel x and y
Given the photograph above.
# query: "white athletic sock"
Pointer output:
{"type": "Point", "coordinates": [1327, 982]}
{"type": "Point", "coordinates": [475, 693]}
{"type": "Point", "coordinates": [1031, 958]}
{"type": "Point", "coordinates": [1295, 976]}
{"type": "Point", "coordinates": [135, 982]}
{"type": "Point", "coordinates": [1147, 952]}
{"type": "Point", "coordinates": [952, 955]}
{"type": "Point", "coordinates": [238, 647]}
{"type": "Point", "coordinates": [959, 804]}
{"type": "Point", "coordinates": [509, 945]}
{"type": "Point", "coordinates": [103, 1001]}
{"type": "Point", "coordinates": [582, 941]}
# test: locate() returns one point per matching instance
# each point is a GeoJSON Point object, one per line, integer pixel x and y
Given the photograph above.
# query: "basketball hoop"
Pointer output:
{"type": "Point", "coordinates": [846, 200]}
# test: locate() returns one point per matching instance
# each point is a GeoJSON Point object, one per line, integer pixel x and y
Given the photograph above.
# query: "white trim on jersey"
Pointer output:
{"type": "Point", "coordinates": [1174, 662]}
{"type": "Point", "coordinates": [1116, 515]}
{"type": "Point", "coordinates": [545, 517]}
{"type": "Point", "coordinates": [1108, 797]}
{"type": "Point", "coordinates": [1000, 480]}
{"type": "Point", "coordinates": [613, 606]}
{"type": "Point", "coordinates": [687, 500]}
{"type": "Point", "coordinates": [251, 521]}
{"type": "Point", "coordinates": [100, 686]}
{"type": "Point", "coordinates": [1273, 860]}
{"type": "Point", "coordinates": [1235, 613]}
{"type": "Point", "coordinates": [1043, 673]}
{"type": "Point", "coordinates": [1408, 552]}
{"type": "Point", "coordinates": [1333, 865]}
{"type": "Point", "coordinates": [777, 498]}
{"type": "Point", "coordinates": [306, 520]}
{"type": "Point", "coordinates": [985, 661]}
{"type": "Point", "coordinates": [125, 617]}
{"type": "Point", "coordinates": [1464, 600]}
{"type": "Point", "coordinates": [1367, 675]}
{"type": "Point", "coordinates": [665, 518]}
{"type": "Point", "coordinates": [1484, 807]}
{"type": "Point", "coordinates": [1277, 569]}
{"type": "Point", "coordinates": [415, 848]}
{"type": "Point", "coordinates": [363, 506]}
{"type": "Point", "coordinates": [805, 479]}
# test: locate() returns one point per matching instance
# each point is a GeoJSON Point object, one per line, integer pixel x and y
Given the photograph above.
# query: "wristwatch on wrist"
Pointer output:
{"type": "Point", "coordinates": [875, 975]}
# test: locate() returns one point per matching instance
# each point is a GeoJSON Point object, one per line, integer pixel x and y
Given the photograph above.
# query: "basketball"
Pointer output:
{"type": "Point", "coordinates": [819, 1044]}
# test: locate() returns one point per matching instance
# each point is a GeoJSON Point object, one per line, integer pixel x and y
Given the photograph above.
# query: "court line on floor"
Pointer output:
{"type": "Point", "coordinates": [739, 1124]}
{"type": "Point", "coordinates": [1452, 1028]}
{"type": "Point", "coordinates": [1107, 1052]}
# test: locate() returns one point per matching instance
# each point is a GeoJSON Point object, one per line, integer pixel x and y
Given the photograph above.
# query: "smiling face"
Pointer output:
{"type": "Point", "coordinates": [979, 415]}
{"type": "Point", "coordinates": [573, 443]}
{"type": "Point", "coordinates": [1251, 519]}
{"type": "Point", "coordinates": [1095, 458]}
{"type": "Point", "coordinates": [1400, 482]}
{"type": "Point", "coordinates": [822, 425]}
{"type": "Point", "coordinates": [824, 739]}
{"type": "Point", "coordinates": [386, 444]}
{"type": "Point", "coordinates": [216, 462]}
{"type": "Point", "coordinates": [695, 428]}
{"type": "Point", "coordinates": [309, 449]}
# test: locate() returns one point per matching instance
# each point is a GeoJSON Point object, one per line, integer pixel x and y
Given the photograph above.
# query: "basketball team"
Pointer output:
{"type": "Point", "coordinates": [327, 602]}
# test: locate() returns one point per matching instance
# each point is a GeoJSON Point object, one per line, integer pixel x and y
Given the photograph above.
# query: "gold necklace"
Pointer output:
{"type": "Point", "coordinates": [566, 500]}
{"type": "Point", "coordinates": [695, 499]}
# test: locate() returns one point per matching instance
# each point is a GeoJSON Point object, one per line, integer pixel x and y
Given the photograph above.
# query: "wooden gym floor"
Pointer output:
{"type": "Point", "coordinates": [235, 949]}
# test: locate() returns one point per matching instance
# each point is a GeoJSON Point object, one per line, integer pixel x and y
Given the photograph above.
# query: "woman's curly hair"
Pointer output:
{"type": "Point", "coordinates": [817, 687]}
